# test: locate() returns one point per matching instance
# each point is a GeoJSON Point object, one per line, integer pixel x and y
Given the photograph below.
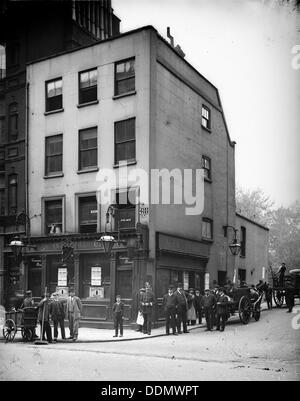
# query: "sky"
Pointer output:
{"type": "Point", "coordinates": [244, 47]}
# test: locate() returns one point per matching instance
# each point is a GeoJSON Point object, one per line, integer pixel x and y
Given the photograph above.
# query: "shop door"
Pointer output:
{"type": "Point", "coordinates": [124, 289]}
{"type": "Point", "coordinates": [34, 281]}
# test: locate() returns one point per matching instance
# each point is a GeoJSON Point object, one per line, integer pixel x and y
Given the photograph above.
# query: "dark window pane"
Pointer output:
{"type": "Point", "coordinates": [88, 152]}
{"type": "Point", "coordinates": [125, 76]}
{"type": "Point", "coordinates": [54, 95]}
{"type": "Point", "coordinates": [53, 216]}
{"type": "Point", "coordinates": [54, 148]}
{"type": "Point", "coordinates": [88, 214]}
{"type": "Point", "coordinates": [125, 140]}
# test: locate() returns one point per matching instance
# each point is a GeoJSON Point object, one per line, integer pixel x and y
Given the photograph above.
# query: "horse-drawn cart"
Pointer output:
{"type": "Point", "coordinates": [290, 282]}
{"type": "Point", "coordinates": [24, 320]}
{"type": "Point", "coordinates": [246, 302]}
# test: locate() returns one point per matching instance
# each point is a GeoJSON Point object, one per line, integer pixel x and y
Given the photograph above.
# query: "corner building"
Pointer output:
{"type": "Point", "coordinates": [128, 100]}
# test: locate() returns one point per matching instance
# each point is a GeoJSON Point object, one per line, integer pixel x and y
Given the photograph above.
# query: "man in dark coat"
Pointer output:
{"type": "Point", "coordinates": [170, 302]}
{"type": "Point", "coordinates": [198, 305]}
{"type": "Point", "coordinates": [182, 308]}
{"type": "Point", "coordinates": [44, 317]}
{"type": "Point", "coordinates": [28, 300]}
{"type": "Point", "coordinates": [118, 313]}
{"type": "Point", "coordinates": [147, 302]}
{"type": "Point", "coordinates": [281, 273]}
{"type": "Point", "coordinates": [289, 296]}
{"type": "Point", "coordinates": [268, 295]}
{"type": "Point", "coordinates": [209, 304]}
{"type": "Point", "coordinates": [57, 313]}
{"type": "Point", "coordinates": [221, 310]}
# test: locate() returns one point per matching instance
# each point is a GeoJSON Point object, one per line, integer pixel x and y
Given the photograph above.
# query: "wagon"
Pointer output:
{"type": "Point", "coordinates": [24, 320]}
{"type": "Point", "coordinates": [244, 302]}
{"type": "Point", "coordinates": [291, 281]}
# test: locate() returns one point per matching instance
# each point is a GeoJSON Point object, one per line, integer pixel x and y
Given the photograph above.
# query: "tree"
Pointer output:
{"type": "Point", "coordinates": [255, 205]}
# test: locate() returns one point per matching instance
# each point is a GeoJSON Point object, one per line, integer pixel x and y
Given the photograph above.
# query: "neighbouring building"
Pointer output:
{"type": "Point", "coordinates": [30, 30]}
{"type": "Point", "coordinates": [125, 103]}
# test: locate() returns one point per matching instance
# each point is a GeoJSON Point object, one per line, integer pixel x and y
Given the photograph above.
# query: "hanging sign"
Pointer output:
{"type": "Point", "coordinates": [62, 277]}
{"type": "Point", "coordinates": [96, 275]}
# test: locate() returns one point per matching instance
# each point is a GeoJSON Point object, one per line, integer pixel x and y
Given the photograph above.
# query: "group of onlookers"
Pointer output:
{"type": "Point", "coordinates": [54, 309]}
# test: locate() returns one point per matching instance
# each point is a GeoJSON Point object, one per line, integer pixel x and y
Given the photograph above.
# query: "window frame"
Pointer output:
{"type": "Point", "coordinates": [116, 92]}
{"type": "Point", "coordinates": [80, 102]}
{"type": "Point", "coordinates": [12, 206]}
{"type": "Point", "coordinates": [209, 170]}
{"type": "Point", "coordinates": [13, 136]}
{"type": "Point", "coordinates": [208, 120]}
{"type": "Point", "coordinates": [132, 159]}
{"type": "Point", "coordinates": [56, 173]}
{"type": "Point", "coordinates": [210, 221]}
{"type": "Point", "coordinates": [93, 168]}
{"type": "Point", "coordinates": [47, 108]}
{"type": "Point", "coordinates": [243, 241]}
{"type": "Point", "coordinates": [129, 206]}
{"type": "Point", "coordinates": [44, 220]}
{"type": "Point", "coordinates": [77, 215]}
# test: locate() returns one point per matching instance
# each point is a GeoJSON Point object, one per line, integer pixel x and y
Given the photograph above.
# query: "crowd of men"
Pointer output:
{"type": "Point", "coordinates": [54, 309]}
{"type": "Point", "coordinates": [181, 308]}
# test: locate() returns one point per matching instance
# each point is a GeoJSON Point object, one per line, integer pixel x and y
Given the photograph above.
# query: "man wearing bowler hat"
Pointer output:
{"type": "Point", "coordinates": [209, 303]}
{"type": "Point", "coordinates": [182, 308]}
{"type": "Point", "coordinates": [170, 302]}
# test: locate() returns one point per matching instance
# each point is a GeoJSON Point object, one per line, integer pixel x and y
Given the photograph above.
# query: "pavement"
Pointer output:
{"type": "Point", "coordinates": [91, 335]}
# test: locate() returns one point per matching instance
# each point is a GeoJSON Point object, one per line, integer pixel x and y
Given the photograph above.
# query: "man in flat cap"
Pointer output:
{"type": "Point", "coordinates": [28, 300]}
{"type": "Point", "coordinates": [170, 302]}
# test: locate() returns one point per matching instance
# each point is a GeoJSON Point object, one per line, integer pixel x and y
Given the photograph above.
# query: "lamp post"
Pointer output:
{"type": "Point", "coordinates": [108, 240]}
{"type": "Point", "coordinates": [235, 246]}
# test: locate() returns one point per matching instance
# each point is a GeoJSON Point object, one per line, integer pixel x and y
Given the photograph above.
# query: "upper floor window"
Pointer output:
{"type": "Point", "coordinates": [206, 117]}
{"type": "Point", "coordinates": [206, 165]}
{"type": "Point", "coordinates": [13, 54]}
{"type": "Point", "coordinates": [2, 201]}
{"type": "Point", "coordinates": [54, 155]}
{"type": "Point", "coordinates": [2, 160]}
{"type": "Point", "coordinates": [13, 121]}
{"type": "Point", "coordinates": [88, 86]}
{"type": "Point", "coordinates": [126, 208]}
{"type": "Point", "coordinates": [2, 136]}
{"type": "Point", "coordinates": [124, 76]}
{"type": "Point", "coordinates": [53, 216]}
{"type": "Point", "coordinates": [54, 94]}
{"type": "Point", "coordinates": [243, 241]}
{"type": "Point", "coordinates": [207, 229]}
{"type": "Point", "coordinates": [88, 153]}
{"type": "Point", "coordinates": [88, 214]}
{"type": "Point", "coordinates": [124, 140]}
{"type": "Point", "coordinates": [13, 193]}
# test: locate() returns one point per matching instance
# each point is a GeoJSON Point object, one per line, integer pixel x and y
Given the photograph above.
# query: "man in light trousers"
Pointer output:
{"type": "Point", "coordinates": [74, 308]}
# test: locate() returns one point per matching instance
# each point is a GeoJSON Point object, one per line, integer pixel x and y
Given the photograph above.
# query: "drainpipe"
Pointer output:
{"type": "Point", "coordinates": [26, 157]}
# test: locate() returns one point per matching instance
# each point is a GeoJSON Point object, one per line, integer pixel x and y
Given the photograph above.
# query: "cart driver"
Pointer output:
{"type": "Point", "coordinates": [28, 300]}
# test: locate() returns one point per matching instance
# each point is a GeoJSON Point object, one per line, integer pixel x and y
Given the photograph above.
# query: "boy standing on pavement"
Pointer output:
{"type": "Point", "coordinates": [118, 312]}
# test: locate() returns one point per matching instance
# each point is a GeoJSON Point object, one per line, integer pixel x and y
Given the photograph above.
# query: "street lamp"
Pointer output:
{"type": "Point", "coordinates": [235, 246]}
{"type": "Point", "coordinates": [108, 240]}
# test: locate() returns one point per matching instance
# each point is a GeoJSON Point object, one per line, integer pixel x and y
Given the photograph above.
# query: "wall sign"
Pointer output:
{"type": "Point", "coordinates": [62, 277]}
{"type": "Point", "coordinates": [96, 272]}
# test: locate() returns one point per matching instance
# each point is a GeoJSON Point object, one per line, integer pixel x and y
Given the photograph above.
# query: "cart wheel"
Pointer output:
{"type": "Point", "coordinates": [256, 313]}
{"type": "Point", "coordinates": [27, 334]}
{"type": "Point", "coordinates": [245, 310]}
{"type": "Point", "coordinates": [9, 330]}
{"type": "Point", "coordinates": [278, 296]}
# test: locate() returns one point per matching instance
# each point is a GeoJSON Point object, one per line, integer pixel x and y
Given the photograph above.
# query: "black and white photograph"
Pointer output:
{"type": "Point", "coordinates": [149, 193]}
